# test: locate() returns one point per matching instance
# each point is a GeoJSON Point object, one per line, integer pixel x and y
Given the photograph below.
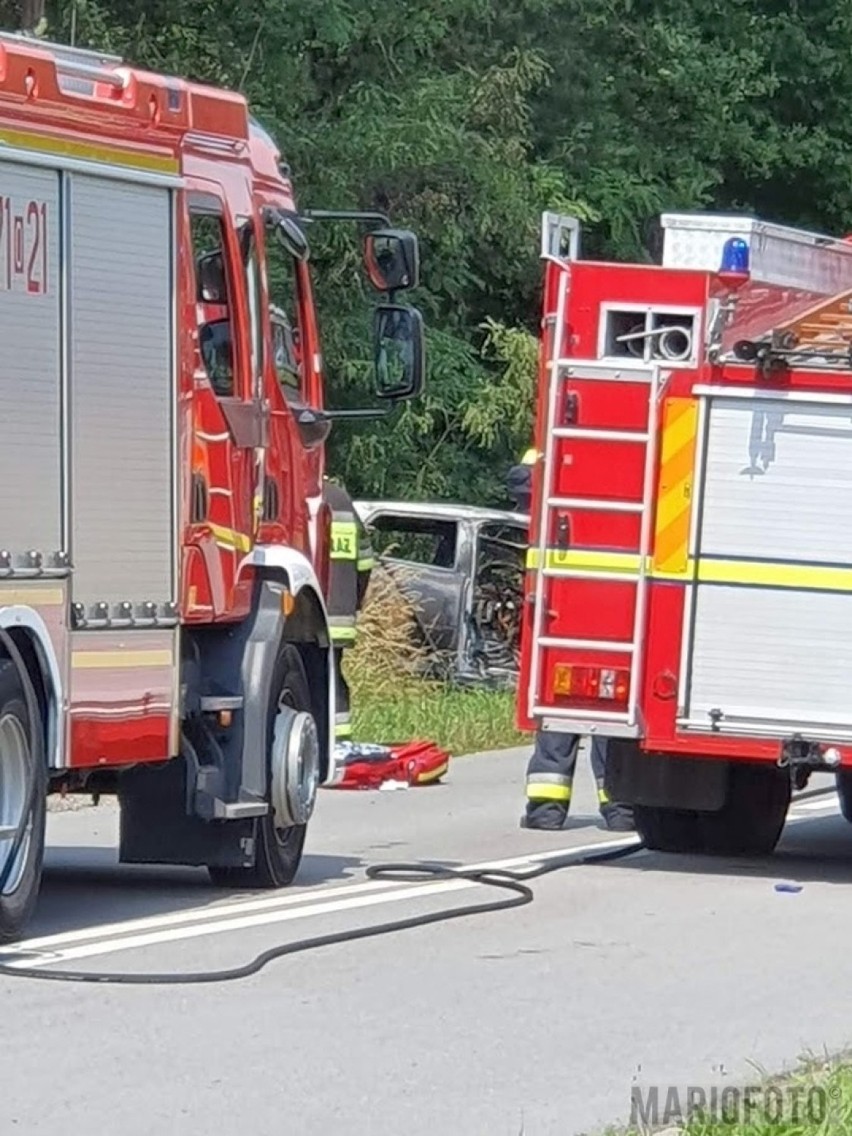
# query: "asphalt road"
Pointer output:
{"type": "Point", "coordinates": [645, 971]}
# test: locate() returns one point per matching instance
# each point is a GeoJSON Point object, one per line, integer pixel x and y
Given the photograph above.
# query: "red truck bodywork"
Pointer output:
{"type": "Point", "coordinates": [166, 552]}
{"type": "Point", "coordinates": [679, 488]}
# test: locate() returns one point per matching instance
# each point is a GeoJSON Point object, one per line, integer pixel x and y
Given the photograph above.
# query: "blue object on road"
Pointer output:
{"type": "Point", "coordinates": [791, 887]}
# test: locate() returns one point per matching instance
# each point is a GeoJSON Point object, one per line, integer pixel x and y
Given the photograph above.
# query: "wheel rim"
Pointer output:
{"type": "Point", "coordinates": [294, 769]}
{"type": "Point", "coordinates": [14, 769]}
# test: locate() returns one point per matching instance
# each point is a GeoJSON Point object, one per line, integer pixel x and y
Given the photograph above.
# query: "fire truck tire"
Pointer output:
{"type": "Point", "coordinates": [844, 792]}
{"type": "Point", "coordinates": [748, 824]}
{"type": "Point", "coordinates": [279, 851]}
{"type": "Point", "coordinates": [23, 776]}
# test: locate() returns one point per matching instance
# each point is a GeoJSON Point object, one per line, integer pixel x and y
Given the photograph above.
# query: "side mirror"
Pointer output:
{"type": "Point", "coordinates": [288, 232]}
{"type": "Point", "coordinates": [399, 352]}
{"type": "Point", "coordinates": [392, 259]}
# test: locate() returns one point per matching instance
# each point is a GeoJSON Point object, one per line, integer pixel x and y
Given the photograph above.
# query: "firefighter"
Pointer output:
{"type": "Point", "coordinates": [551, 768]}
{"type": "Point", "coordinates": [351, 563]}
{"type": "Point", "coordinates": [519, 481]}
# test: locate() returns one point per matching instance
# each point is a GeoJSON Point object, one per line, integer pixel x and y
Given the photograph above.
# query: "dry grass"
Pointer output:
{"type": "Point", "coordinates": [392, 702]}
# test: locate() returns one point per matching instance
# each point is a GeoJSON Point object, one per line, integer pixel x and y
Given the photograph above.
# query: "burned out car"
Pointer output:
{"type": "Point", "coordinates": [462, 569]}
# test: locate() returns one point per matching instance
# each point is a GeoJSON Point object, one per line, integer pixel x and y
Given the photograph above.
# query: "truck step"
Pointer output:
{"type": "Point", "coordinates": [213, 703]}
{"type": "Point", "coordinates": [238, 810]}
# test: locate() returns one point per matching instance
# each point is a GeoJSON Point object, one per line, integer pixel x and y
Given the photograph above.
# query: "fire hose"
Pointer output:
{"type": "Point", "coordinates": [516, 883]}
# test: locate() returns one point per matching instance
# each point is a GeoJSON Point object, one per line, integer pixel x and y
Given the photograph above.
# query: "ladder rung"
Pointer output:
{"type": "Point", "coordinates": [602, 435]}
{"type": "Point", "coordinates": [595, 504]}
{"type": "Point", "coordinates": [586, 574]}
{"type": "Point", "coordinates": [617, 375]}
{"type": "Point", "coordinates": [613, 645]}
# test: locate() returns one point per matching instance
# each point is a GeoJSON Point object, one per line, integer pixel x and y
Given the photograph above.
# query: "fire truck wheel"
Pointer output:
{"type": "Point", "coordinates": [844, 792]}
{"type": "Point", "coordinates": [22, 771]}
{"type": "Point", "coordinates": [748, 824]}
{"type": "Point", "coordinates": [279, 850]}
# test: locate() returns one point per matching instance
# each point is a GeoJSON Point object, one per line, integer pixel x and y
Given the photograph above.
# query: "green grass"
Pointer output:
{"type": "Point", "coordinates": [461, 721]}
{"type": "Point", "coordinates": [391, 704]}
{"type": "Point", "coordinates": [816, 1101]}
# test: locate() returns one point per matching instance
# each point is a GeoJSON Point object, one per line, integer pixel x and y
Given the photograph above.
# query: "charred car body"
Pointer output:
{"type": "Point", "coordinates": [462, 569]}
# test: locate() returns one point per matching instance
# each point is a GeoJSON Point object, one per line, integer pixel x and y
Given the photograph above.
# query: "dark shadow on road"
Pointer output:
{"type": "Point", "coordinates": [87, 887]}
{"type": "Point", "coordinates": [817, 850]}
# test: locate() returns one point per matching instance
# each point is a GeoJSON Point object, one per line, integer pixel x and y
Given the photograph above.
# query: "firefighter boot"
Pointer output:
{"type": "Point", "coordinates": [545, 815]}
{"type": "Point", "coordinates": [618, 818]}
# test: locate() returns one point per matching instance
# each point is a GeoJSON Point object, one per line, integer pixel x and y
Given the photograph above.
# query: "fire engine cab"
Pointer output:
{"type": "Point", "coordinates": [163, 629]}
{"type": "Point", "coordinates": [689, 588]}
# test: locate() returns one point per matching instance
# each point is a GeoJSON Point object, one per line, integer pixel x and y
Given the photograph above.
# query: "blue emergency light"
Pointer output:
{"type": "Point", "coordinates": [735, 256]}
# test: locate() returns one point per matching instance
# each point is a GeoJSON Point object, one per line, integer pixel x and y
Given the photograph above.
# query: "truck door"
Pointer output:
{"type": "Point", "coordinates": [298, 424]}
{"type": "Point", "coordinates": [227, 429]}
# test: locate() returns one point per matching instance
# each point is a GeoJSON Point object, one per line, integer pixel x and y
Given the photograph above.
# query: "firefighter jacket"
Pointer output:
{"type": "Point", "coordinates": [519, 481]}
{"type": "Point", "coordinates": [351, 562]}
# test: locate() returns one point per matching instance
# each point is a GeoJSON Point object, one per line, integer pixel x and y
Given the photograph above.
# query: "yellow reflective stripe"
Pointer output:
{"type": "Point", "coordinates": [89, 152]}
{"type": "Point", "coordinates": [31, 595]}
{"type": "Point", "coordinates": [589, 560]}
{"type": "Point", "coordinates": [366, 565]}
{"type": "Point", "coordinates": [603, 797]}
{"type": "Point", "coordinates": [746, 573]}
{"type": "Point", "coordinates": [432, 774]}
{"type": "Point", "coordinates": [756, 573]}
{"type": "Point", "coordinates": [343, 634]}
{"type": "Point", "coordinates": [540, 792]}
{"type": "Point", "coordinates": [344, 730]}
{"type": "Point", "coordinates": [120, 660]}
{"type": "Point", "coordinates": [344, 540]}
{"type": "Point", "coordinates": [230, 537]}
{"type": "Point", "coordinates": [674, 492]}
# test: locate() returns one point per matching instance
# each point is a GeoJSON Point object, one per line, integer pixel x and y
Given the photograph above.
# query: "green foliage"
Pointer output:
{"type": "Point", "coordinates": [465, 119]}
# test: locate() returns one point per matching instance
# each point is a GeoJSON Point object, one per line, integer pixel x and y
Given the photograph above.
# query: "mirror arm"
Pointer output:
{"type": "Point", "coordinates": [376, 412]}
{"type": "Point", "coordinates": [343, 215]}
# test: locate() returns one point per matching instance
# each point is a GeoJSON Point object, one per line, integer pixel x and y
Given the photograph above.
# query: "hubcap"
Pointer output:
{"type": "Point", "coordinates": [14, 764]}
{"type": "Point", "coordinates": [295, 767]}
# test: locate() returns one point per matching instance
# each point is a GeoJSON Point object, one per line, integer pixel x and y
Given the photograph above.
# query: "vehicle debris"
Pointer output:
{"type": "Point", "coordinates": [461, 567]}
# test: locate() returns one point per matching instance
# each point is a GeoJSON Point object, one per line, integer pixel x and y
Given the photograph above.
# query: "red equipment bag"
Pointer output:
{"type": "Point", "coordinates": [370, 766]}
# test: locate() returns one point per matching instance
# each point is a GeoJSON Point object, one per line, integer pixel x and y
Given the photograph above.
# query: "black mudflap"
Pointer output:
{"type": "Point", "coordinates": [156, 827]}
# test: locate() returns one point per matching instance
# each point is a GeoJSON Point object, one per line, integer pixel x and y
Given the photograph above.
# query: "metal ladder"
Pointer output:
{"type": "Point", "coordinates": [625, 722]}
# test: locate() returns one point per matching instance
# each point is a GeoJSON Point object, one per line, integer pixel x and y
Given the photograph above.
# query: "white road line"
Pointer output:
{"type": "Point", "coordinates": [819, 805]}
{"type": "Point", "coordinates": [242, 915]}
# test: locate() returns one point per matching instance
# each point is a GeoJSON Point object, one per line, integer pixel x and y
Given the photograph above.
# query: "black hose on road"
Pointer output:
{"type": "Point", "coordinates": [514, 882]}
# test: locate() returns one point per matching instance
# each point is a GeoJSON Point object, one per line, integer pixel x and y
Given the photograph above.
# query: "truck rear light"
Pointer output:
{"type": "Point", "coordinates": [606, 684]}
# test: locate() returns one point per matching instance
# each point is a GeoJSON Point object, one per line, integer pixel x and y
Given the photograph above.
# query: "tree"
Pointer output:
{"type": "Point", "coordinates": [466, 119]}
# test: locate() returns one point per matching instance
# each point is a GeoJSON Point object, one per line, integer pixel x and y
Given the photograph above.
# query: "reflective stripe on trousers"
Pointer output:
{"type": "Point", "coordinates": [342, 628]}
{"type": "Point", "coordinates": [548, 787]}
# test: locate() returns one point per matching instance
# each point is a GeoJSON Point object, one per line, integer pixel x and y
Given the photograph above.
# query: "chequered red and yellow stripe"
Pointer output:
{"type": "Point", "coordinates": [674, 492]}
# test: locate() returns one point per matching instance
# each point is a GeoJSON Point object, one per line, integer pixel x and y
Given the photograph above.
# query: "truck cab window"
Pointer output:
{"type": "Point", "coordinates": [285, 354]}
{"type": "Point", "coordinates": [284, 316]}
{"type": "Point", "coordinates": [212, 299]}
{"type": "Point", "coordinates": [254, 293]}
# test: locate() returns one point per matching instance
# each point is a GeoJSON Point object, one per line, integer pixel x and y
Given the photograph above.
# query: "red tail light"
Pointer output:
{"type": "Point", "coordinates": [602, 684]}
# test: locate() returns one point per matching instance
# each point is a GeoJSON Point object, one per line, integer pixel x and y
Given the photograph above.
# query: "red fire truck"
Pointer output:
{"type": "Point", "coordinates": [689, 594]}
{"type": "Point", "coordinates": [163, 544]}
